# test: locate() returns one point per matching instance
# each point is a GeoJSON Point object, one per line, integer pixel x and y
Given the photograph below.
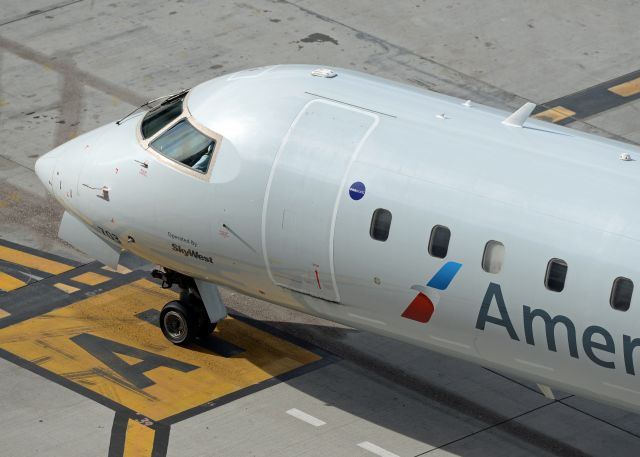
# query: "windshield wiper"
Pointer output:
{"type": "Point", "coordinates": [166, 99]}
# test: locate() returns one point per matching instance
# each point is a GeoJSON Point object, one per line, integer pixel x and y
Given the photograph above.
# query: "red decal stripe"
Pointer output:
{"type": "Point", "coordinates": [420, 309]}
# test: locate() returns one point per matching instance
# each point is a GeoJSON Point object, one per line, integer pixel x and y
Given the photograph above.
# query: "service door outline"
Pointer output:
{"type": "Point", "coordinates": [302, 195]}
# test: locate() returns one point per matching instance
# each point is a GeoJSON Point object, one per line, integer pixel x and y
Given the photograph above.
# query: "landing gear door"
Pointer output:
{"type": "Point", "coordinates": [302, 195]}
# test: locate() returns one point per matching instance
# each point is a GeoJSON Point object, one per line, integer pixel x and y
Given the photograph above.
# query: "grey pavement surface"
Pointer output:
{"type": "Point", "coordinates": [42, 418]}
{"type": "Point", "coordinates": [67, 67]}
{"type": "Point", "coordinates": [516, 419]}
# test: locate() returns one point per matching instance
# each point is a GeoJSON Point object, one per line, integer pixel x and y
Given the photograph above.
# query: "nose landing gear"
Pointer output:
{"type": "Point", "coordinates": [186, 319]}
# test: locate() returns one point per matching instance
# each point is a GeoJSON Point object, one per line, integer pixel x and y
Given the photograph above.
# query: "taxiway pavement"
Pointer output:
{"type": "Point", "coordinates": [69, 66]}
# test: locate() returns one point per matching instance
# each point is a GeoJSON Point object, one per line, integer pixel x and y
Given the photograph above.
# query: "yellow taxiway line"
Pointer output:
{"type": "Point", "coordinates": [627, 89]}
{"type": "Point", "coordinates": [8, 283]}
{"type": "Point", "coordinates": [101, 344]}
{"type": "Point", "coordinates": [555, 114]}
{"type": "Point", "coordinates": [138, 440]}
{"type": "Point", "coordinates": [91, 279]}
{"type": "Point", "coordinates": [65, 287]}
{"type": "Point", "coordinates": [33, 261]}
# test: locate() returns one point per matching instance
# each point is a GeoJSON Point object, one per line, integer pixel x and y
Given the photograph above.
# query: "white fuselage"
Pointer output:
{"type": "Point", "coordinates": [276, 219]}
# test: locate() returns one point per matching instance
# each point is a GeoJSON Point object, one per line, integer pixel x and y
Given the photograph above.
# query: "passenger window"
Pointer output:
{"type": "Point", "coordinates": [439, 241]}
{"type": "Point", "coordinates": [161, 116]}
{"type": "Point", "coordinates": [556, 274]}
{"type": "Point", "coordinates": [186, 145]}
{"type": "Point", "coordinates": [621, 294]}
{"type": "Point", "coordinates": [493, 257]}
{"type": "Point", "coordinates": [380, 224]}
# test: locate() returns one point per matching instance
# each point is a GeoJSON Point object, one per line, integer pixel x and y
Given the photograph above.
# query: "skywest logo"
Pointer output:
{"type": "Point", "coordinates": [423, 306]}
{"type": "Point", "coordinates": [594, 337]}
{"type": "Point", "coordinates": [191, 253]}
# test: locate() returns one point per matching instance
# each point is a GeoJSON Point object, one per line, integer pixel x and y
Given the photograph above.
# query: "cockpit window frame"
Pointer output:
{"type": "Point", "coordinates": [179, 166]}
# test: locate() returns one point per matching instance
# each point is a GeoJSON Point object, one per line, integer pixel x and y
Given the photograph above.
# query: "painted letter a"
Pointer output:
{"type": "Point", "coordinates": [494, 291]}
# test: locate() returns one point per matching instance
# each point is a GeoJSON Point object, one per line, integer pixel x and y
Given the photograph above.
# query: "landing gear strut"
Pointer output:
{"type": "Point", "coordinates": [186, 319]}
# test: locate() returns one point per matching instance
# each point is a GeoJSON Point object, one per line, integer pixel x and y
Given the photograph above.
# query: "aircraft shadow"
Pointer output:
{"type": "Point", "coordinates": [449, 398]}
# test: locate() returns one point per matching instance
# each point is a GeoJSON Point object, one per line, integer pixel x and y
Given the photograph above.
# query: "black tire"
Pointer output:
{"type": "Point", "coordinates": [178, 323]}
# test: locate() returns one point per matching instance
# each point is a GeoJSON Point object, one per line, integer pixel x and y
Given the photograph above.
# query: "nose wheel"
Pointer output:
{"type": "Point", "coordinates": [184, 320]}
{"type": "Point", "coordinates": [181, 323]}
{"type": "Point", "coordinates": [177, 323]}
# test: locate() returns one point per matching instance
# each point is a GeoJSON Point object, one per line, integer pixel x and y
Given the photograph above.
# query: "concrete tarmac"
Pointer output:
{"type": "Point", "coordinates": [69, 66]}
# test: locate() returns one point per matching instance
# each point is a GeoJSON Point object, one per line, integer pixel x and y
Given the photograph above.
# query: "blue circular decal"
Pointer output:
{"type": "Point", "coordinates": [357, 190]}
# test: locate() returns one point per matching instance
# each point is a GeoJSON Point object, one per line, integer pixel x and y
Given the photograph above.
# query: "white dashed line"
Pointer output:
{"type": "Point", "coordinates": [308, 418]}
{"type": "Point", "coordinates": [376, 449]}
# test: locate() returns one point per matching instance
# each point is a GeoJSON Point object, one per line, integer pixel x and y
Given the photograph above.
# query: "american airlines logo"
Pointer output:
{"type": "Point", "coordinates": [423, 306]}
{"type": "Point", "coordinates": [598, 344]}
{"type": "Point", "coordinates": [191, 253]}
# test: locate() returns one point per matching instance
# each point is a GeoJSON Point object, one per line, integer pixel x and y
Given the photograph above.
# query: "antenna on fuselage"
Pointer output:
{"type": "Point", "coordinates": [168, 99]}
{"type": "Point", "coordinates": [518, 118]}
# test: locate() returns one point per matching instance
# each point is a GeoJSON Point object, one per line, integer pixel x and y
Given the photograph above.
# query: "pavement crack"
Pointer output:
{"type": "Point", "coordinates": [556, 447]}
{"type": "Point", "coordinates": [38, 12]}
{"type": "Point", "coordinates": [617, 427]}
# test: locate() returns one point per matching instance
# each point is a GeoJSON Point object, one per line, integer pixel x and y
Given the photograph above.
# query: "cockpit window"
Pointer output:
{"type": "Point", "coordinates": [160, 116]}
{"type": "Point", "coordinates": [184, 144]}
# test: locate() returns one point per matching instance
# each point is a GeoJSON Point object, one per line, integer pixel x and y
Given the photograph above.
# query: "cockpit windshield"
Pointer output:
{"type": "Point", "coordinates": [184, 144]}
{"type": "Point", "coordinates": [160, 116]}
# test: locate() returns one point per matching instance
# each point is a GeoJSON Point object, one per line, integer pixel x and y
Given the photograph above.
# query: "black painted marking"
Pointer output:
{"type": "Point", "coordinates": [326, 359]}
{"type": "Point", "coordinates": [118, 434]}
{"type": "Point", "coordinates": [161, 440]}
{"type": "Point", "coordinates": [28, 365]}
{"type": "Point", "coordinates": [41, 297]}
{"type": "Point", "coordinates": [211, 342]}
{"type": "Point", "coordinates": [26, 274]}
{"type": "Point", "coordinates": [31, 301]}
{"type": "Point", "coordinates": [107, 352]}
{"type": "Point", "coordinates": [225, 399]}
{"type": "Point", "coordinates": [591, 101]}
{"type": "Point", "coordinates": [152, 316]}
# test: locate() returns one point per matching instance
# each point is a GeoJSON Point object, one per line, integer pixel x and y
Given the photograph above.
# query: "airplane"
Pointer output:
{"type": "Point", "coordinates": [490, 236]}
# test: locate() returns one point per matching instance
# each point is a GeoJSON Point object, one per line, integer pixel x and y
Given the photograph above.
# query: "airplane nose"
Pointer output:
{"type": "Point", "coordinates": [45, 166]}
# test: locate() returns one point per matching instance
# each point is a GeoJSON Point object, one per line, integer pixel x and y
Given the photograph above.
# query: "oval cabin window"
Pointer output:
{"type": "Point", "coordinates": [621, 294]}
{"type": "Point", "coordinates": [556, 275]}
{"type": "Point", "coordinates": [439, 241]}
{"type": "Point", "coordinates": [493, 257]}
{"type": "Point", "coordinates": [380, 224]}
